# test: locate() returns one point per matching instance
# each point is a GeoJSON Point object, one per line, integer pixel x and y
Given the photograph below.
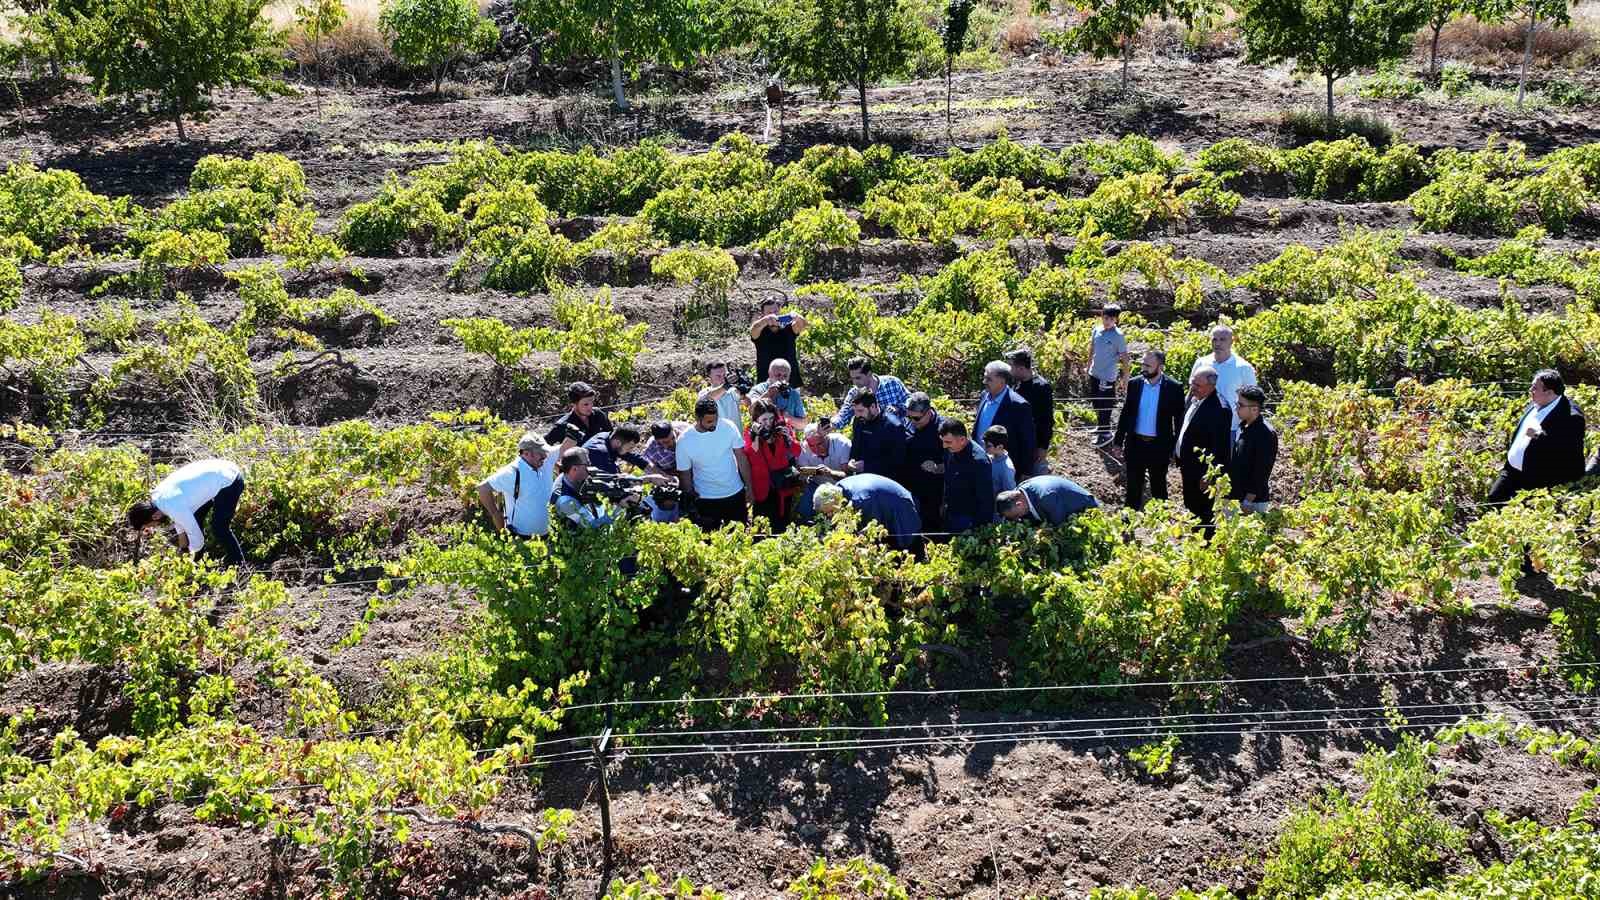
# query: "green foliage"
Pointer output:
{"type": "Point", "coordinates": [1348, 268]}
{"type": "Point", "coordinates": [1455, 80]}
{"type": "Point", "coordinates": [806, 234]}
{"type": "Point", "coordinates": [172, 362]}
{"type": "Point", "coordinates": [1109, 27]}
{"type": "Point", "coordinates": [401, 217]}
{"type": "Point", "coordinates": [650, 886]}
{"type": "Point", "coordinates": [42, 356]}
{"type": "Point", "coordinates": [668, 32]}
{"type": "Point", "coordinates": [1556, 196]}
{"type": "Point", "coordinates": [273, 174]}
{"type": "Point", "coordinates": [1350, 167]}
{"type": "Point", "coordinates": [733, 216]}
{"type": "Point", "coordinates": [182, 50]}
{"type": "Point", "coordinates": [854, 879]}
{"type": "Point", "coordinates": [1131, 205]}
{"type": "Point", "coordinates": [239, 215]}
{"type": "Point", "coordinates": [830, 43]}
{"type": "Point", "coordinates": [585, 184]}
{"type": "Point", "coordinates": [511, 239]}
{"type": "Point", "coordinates": [1528, 15]}
{"type": "Point", "coordinates": [1389, 833]}
{"type": "Point", "coordinates": [1155, 758]}
{"type": "Point", "coordinates": [432, 34]}
{"type": "Point", "coordinates": [10, 284]}
{"type": "Point", "coordinates": [709, 272]}
{"type": "Point", "coordinates": [45, 211]}
{"type": "Point", "coordinates": [1390, 83]}
{"type": "Point", "coordinates": [1330, 39]}
{"type": "Point", "coordinates": [591, 338]}
{"type": "Point", "coordinates": [624, 241]}
{"type": "Point", "coordinates": [1467, 202]}
{"type": "Point", "coordinates": [1235, 157]}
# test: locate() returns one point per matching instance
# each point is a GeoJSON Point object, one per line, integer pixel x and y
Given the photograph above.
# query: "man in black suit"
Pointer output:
{"type": "Point", "coordinates": [999, 404]}
{"type": "Point", "coordinates": [1255, 451]}
{"type": "Point", "coordinates": [1148, 429]}
{"type": "Point", "coordinates": [1546, 447]}
{"type": "Point", "coordinates": [1204, 439]}
{"type": "Point", "coordinates": [1041, 397]}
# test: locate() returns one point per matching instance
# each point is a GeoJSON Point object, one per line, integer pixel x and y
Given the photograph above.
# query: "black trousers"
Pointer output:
{"type": "Point", "coordinates": [1196, 496]}
{"type": "Point", "coordinates": [1506, 484]}
{"type": "Point", "coordinates": [772, 510]}
{"type": "Point", "coordinates": [219, 510]}
{"type": "Point", "coordinates": [1146, 462]}
{"type": "Point", "coordinates": [713, 514]}
{"type": "Point", "coordinates": [1103, 399]}
{"type": "Point", "coordinates": [929, 498]}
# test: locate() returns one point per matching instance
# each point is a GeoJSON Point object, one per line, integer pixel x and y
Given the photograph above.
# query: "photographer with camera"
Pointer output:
{"type": "Point", "coordinates": [713, 470]}
{"type": "Point", "coordinates": [774, 455]}
{"type": "Point", "coordinates": [774, 332]}
{"type": "Point", "coordinates": [729, 395]}
{"type": "Point", "coordinates": [573, 503]}
{"type": "Point", "coordinates": [582, 415]}
{"type": "Point", "coordinates": [785, 396]}
{"type": "Point", "coordinates": [517, 496]}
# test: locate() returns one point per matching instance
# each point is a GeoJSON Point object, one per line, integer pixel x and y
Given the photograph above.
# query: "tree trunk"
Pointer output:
{"type": "Point", "coordinates": [1127, 54]}
{"type": "Point", "coordinates": [438, 78]}
{"type": "Point", "coordinates": [949, 63]}
{"type": "Point", "coordinates": [866, 131]}
{"type": "Point", "coordinates": [618, 95]}
{"type": "Point", "coordinates": [177, 119]}
{"type": "Point", "coordinates": [1527, 57]}
{"type": "Point", "coordinates": [1433, 51]}
{"type": "Point", "coordinates": [1330, 104]}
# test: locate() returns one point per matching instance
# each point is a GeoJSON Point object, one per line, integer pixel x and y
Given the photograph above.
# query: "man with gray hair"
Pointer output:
{"type": "Point", "coordinates": [1204, 440]}
{"type": "Point", "coordinates": [1232, 371]}
{"type": "Point", "coordinates": [999, 404]}
{"type": "Point", "coordinates": [517, 496]}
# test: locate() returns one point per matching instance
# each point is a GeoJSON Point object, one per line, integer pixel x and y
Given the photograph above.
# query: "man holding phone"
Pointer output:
{"type": "Point", "coordinates": [774, 332]}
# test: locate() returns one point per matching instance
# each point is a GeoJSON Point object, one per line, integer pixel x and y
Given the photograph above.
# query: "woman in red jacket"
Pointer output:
{"type": "Point", "coordinates": [772, 450]}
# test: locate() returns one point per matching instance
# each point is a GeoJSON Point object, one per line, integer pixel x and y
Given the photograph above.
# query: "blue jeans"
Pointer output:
{"type": "Point", "coordinates": [220, 510]}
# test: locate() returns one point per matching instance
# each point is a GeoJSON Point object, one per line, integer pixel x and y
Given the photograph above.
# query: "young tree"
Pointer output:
{"type": "Point", "coordinates": [1440, 14]}
{"type": "Point", "coordinates": [1528, 15]}
{"type": "Point", "coordinates": [1111, 26]}
{"type": "Point", "coordinates": [50, 28]}
{"type": "Point", "coordinates": [624, 32]}
{"type": "Point", "coordinates": [1330, 37]}
{"type": "Point", "coordinates": [835, 42]}
{"type": "Point", "coordinates": [435, 33]}
{"type": "Point", "coordinates": [957, 16]}
{"type": "Point", "coordinates": [319, 19]}
{"type": "Point", "coordinates": [181, 49]}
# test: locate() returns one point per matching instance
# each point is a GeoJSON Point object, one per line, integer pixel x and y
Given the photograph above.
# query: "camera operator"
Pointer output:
{"type": "Point", "coordinates": [773, 453]}
{"type": "Point", "coordinates": [774, 332]}
{"type": "Point", "coordinates": [517, 496]}
{"type": "Point", "coordinates": [570, 501]}
{"type": "Point", "coordinates": [607, 447]}
{"type": "Point", "coordinates": [785, 396]}
{"type": "Point", "coordinates": [730, 405]}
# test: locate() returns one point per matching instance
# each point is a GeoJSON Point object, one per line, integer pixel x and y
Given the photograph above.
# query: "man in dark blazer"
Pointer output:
{"type": "Point", "coordinates": [1255, 452]}
{"type": "Point", "coordinates": [1205, 438]}
{"type": "Point", "coordinates": [1148, 429]}
{"type": "Point", "coordinates": [1050, 499]}
{"type": "Point", "coordinates": [1546, 447]}
{"type": "Point", "coordinates": [999, 404]}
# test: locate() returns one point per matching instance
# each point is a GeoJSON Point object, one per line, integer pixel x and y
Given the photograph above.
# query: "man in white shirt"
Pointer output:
{"type": "Point", "coordinates": [191, 494]}
{"type": "Point", "coordinates": [713, 468]}
{"type": "Point", "coordinates": [824, 457]}
{"type": "Point", "coordinates": [1546, 447]}
{"type": "Point", "coordinates": [1232, 371]}
{"type": "Point", "coordinates": [517, 496]}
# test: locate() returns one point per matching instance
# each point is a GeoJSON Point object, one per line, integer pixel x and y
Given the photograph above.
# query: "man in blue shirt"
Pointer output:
{"type": "Point", "coordinates": [876, 498]}
{"type": "Point", "coordinates": [878, 441]}
{"type": "Point", "coordinates": [785, 396]}
{"type": "Point", "coordinates": [1045, 498]}
{"type": "Point", "coordinates": [968, 480]}
{"type": "Point", "coordinates": [570, 506]}
{"type": "Point", "coordinates": [607, 447]}
{"type": "Point", "coordinates": [889, 390]}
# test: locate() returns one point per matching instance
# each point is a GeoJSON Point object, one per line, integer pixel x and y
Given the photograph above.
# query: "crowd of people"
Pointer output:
{"type": "Point", "coordinates": [753, 449]}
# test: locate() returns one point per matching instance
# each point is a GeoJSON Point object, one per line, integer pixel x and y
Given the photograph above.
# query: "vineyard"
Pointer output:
{"type": "Point", "coordinates": [1382, 689]}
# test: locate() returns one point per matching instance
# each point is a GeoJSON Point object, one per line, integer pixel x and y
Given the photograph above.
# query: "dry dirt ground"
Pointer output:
{"type": "Point", "coordinates": [954, 819]}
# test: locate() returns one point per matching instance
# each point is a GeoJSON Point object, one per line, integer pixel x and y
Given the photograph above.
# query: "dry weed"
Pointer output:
{"type": "Point", "coordinates": [1471, 41]}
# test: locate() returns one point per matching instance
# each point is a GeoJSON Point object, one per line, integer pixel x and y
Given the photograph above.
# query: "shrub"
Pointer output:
{"type": "Point", "coordinates": [1129, 206]}
{"type": "Point", "coordinates": [625, 241]}
{"type": "Point", "coordinates": [1205, 196]}
{"type": "Point", "coordinates": [710, 273]}
{"type": "Point", "coordinates": [1464, 201]}
{"type": "Point", "coordinates": [806, 234]}
{"type": "Point", "coordinates": [1556, 196]}
{"type": "Point", "coordinates": [729, 217]}
{"type": "Point", "coordinates": [434, 33]}
{"type": "Point", "coordinates": [292, 235]}
{"type": "Point", "coordinates": [1329, 170]}
{"type": "Point", "coordinates": [1455, 80]}
{"type": "Point", "coordinates": [856, 879]}
{"type": "Point", "coordinates": [10, 284]}
{"type": "Point", "coordinates": [1394, 175]}
{"type": "Point", "coordinates": [1133, 154]}
{"type": "Point", "coordinates": [1568, 94]}
{"type": "Point", "coordinates": [273, 174]}
{"type": "Point", "coordinates": [407, 217]}
{"type": "Point", "coordinates": [1305, 125]}
{"type": "Point", "coordinates": [1390, 83]}
{"type": "Point", "coordinates": [585, 184]}
{"type": "Point", "coordinates": [1001, 158]}
{"type": "Point", "coordinates": [518, 259]}
{"type": "Point", "coordinates": [1585, 160]}
{"type": "Point", "coordinates": [1390, 833]}
{"type": "Point", "coordinates": [1236, 157]}
{"type": "Point", "coordinates": [240, 215]}
{"type": "Point", "coordinates": [51, 208]}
